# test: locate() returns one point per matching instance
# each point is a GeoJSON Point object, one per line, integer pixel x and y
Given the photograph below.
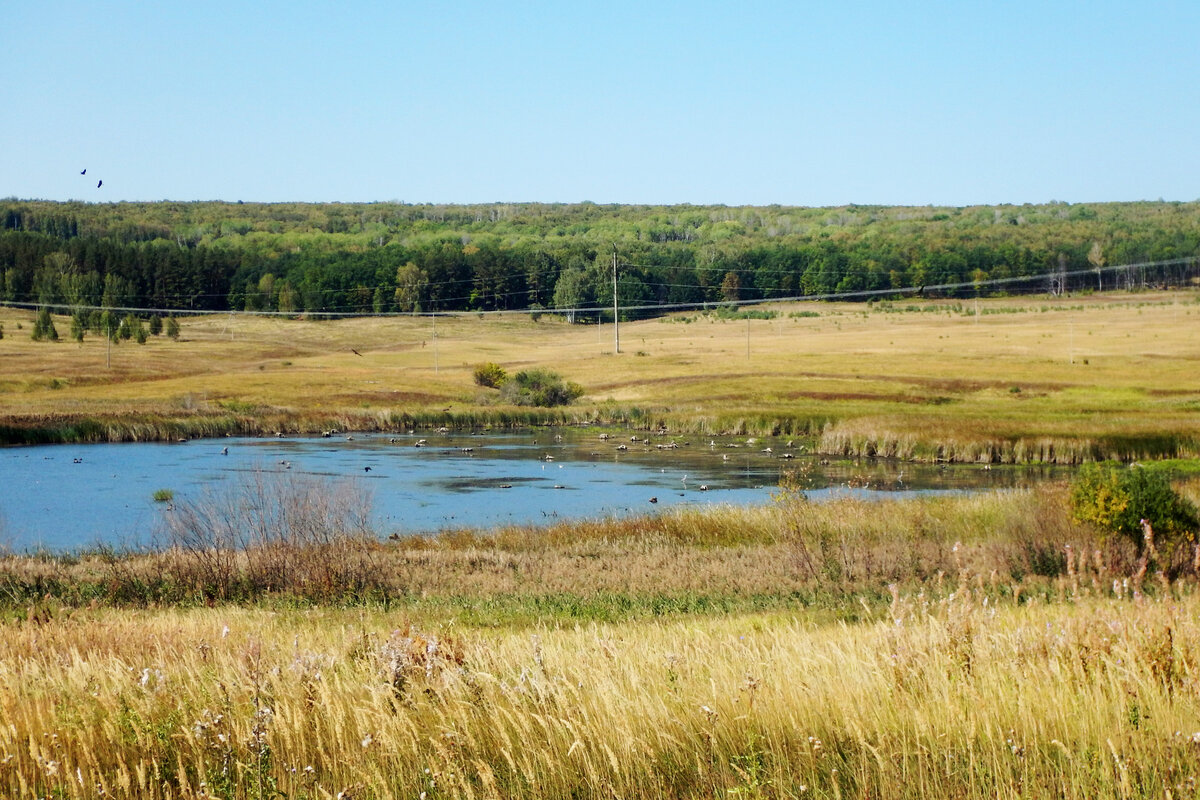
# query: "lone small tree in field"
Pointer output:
{"type": "Point", "coordinates": [172, 327]}
{"type": "Point", "coordinates": [43, 327]}
{"type": "Point", "coordinates": [78, 326]}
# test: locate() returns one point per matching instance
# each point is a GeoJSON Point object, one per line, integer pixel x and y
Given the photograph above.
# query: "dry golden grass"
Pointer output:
{"type": "Point", "coordinates": [961, 697]}
{"type": "Point", "coordinates": [1024, 379]}
{"type": "Point", "coordinates": [601, 659]}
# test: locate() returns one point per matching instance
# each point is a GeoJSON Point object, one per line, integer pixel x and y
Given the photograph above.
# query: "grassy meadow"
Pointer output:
{"type": "Point", "coordinates": [1062, 379]}
{"type": "Point", "coordinates": [977, 646]}
{"type": "Point", "coordinates": [959, 697]}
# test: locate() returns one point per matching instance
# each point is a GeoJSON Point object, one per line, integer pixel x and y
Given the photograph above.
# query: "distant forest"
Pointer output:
{"type": "Point", "coordinates": [396, 257]}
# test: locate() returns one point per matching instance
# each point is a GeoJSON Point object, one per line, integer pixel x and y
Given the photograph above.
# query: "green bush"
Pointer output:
{"type": "Point", "coordinates": [1117, 499]}
{"type": "Point", "coordinates": [540, 387]}
{"type": "Point", "coordinates": [491, 375]}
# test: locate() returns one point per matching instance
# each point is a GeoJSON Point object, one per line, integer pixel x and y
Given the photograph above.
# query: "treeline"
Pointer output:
{"type": "Point", "coordinates": [387, 257]}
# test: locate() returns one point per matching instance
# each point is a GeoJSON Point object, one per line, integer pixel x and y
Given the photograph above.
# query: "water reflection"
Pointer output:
{"type": "Point", "coordinates": [63, 497]}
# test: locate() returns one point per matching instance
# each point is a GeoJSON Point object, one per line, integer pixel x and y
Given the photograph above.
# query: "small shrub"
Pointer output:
{"type": "Point", "coordinates": [491, 375]}
{"type": "Point", "coordinates": [163, 495]}
{"type": "Point", "coordinates": [156, 325]}
{"type": "Point", "coordinates": [172, 327]}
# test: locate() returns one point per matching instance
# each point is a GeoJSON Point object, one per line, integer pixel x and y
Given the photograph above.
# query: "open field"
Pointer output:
{"type": "Point", "coordinates": [1025, 379]}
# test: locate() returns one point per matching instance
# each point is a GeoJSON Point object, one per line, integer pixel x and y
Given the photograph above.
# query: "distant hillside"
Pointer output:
{"type": "Point", "coordinates": [386, 257]}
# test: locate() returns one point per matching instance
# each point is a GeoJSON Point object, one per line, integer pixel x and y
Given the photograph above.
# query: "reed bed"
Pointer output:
{"type": "Point", "coordinates": [958, 697]}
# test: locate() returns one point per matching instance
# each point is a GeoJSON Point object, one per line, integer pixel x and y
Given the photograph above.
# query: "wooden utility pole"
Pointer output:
{"type": "Point", "coordinates": [616, 319]}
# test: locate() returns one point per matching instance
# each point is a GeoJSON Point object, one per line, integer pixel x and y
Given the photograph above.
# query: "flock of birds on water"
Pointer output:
{"type": "Point", "coordinates": [674, 444]}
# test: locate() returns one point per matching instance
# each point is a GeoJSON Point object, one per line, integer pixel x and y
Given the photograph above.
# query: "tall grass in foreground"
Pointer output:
{"type": "Point", "coordinates": [959, 698]}
{"type": "Point", "coordinates": [997, 649]}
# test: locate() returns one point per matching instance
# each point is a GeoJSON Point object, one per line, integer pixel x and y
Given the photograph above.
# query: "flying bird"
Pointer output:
{"type": "Point", "coordinates": [99, 184]}
{"type": "Point", "coordinates": [352, 350]}
{"type": "Point", "coordinates": [84, 172]}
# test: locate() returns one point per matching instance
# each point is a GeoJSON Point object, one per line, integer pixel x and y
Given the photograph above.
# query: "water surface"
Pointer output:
{"type": "Point", "coordinates": [66, 497]}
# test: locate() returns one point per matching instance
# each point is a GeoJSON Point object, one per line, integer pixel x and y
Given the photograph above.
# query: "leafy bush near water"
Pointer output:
{"type": "Point", "coordinates": [1117, 499]}
{"type": "Point", "coordinates": [539, 387]}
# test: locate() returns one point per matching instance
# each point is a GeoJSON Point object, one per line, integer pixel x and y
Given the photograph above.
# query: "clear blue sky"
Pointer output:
{"type": "Point", "coordinates": [797, 103]}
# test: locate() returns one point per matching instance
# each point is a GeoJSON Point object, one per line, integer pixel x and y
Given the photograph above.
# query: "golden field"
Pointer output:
{"type": "Point", "coordinates": [1024, 379]}
{"type": "Point", "coordinates": [963, 696]}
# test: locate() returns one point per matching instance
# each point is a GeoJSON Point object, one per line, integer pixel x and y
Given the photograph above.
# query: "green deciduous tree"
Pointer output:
{"type": "Point", "coordinates": [411, 285]}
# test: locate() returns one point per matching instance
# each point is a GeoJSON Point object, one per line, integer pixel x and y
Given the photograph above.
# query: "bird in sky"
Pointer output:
{"type": "Point", "coordinates": [84, 172]}
{"type": "Point", "coordinates": [99, 184]}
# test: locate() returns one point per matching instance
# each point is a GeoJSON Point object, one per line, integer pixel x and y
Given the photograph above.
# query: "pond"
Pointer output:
{"type": "Point", "coordinates": [67, 497]}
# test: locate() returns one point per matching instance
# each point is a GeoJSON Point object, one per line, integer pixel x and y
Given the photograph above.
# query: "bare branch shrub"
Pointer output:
{"type": "Point", "coordinates": [273, 532]}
